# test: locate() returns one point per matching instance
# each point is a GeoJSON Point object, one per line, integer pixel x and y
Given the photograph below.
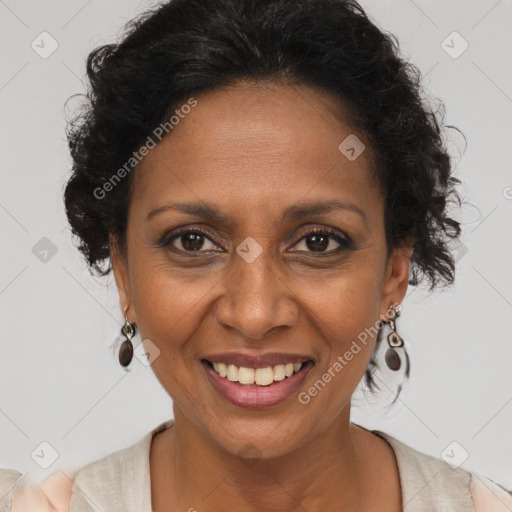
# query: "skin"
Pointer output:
{"type": "Point", "coordinates": [252, 151]}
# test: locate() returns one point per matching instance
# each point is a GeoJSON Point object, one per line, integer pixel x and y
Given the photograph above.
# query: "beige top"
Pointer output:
{"type": "Point", "coordinates": [120, 482]}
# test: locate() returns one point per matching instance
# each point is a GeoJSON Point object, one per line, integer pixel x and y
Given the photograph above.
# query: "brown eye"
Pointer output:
{"type": "Point", "coordinates": [190, 241]}
{"type": "Point", "coordinates": [320, 241]}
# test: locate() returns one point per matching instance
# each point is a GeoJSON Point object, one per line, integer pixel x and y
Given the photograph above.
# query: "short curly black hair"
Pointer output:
{"type": "Point", "coordinates": [183, 47]}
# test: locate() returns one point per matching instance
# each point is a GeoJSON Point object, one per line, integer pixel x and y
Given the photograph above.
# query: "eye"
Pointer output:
{"type": "Point", "coordinates": [190, 241]}
{"type": "Point", "coordinates": [315, 241]}
{"type": "Point", "coordinates": [319, 240]}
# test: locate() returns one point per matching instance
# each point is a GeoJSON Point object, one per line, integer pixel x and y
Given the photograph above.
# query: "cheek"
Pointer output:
{"type": "Point", "coordinates": [171, 303]}
{"type": "Point", "coordinates": [345, 310]}
{"type": "Point", "coordinates": [166, 313]}
{"type": "Point", "coordinates": [169, 315]}
{"type": "Point", "coordinates": [347, 341]}
{"type": "Point", "coordinates": [168, 306]}
{"type": "Point", "coordinates": [347, 298]}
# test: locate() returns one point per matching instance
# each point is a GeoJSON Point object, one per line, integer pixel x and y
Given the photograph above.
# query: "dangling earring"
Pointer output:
{"type": "Point", "coordinates": [394, 341]}
{"type": "Point", "coordinates": [126, 351]}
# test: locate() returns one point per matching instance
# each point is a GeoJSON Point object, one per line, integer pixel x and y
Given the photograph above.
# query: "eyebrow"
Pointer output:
{"type": "Point", "coordinates": [293, 212]}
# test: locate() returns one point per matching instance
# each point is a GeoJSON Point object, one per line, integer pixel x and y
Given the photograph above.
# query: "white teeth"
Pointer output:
{"type": "Point", "coordinates": [279, 372]}
{"type": "Point", "coordinates": [259, 376]}
{"type": "Point", "coordinates": [232, 373]}
{"type": "Point", "coordinates": [264, 376]}
{"type": "Point", "coordinates": [246, 376]}
{"type": "Point", "coordinates": [223, 369]}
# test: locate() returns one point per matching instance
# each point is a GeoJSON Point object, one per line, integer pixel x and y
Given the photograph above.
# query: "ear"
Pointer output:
{"type": "Point", "coordinates": [119, 264]}
{"type": "Point", "coordinates": [396, 279]}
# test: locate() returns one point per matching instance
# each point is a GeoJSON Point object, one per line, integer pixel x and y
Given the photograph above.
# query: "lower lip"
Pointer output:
{"type": "Point", "coordinates": [254, 396]}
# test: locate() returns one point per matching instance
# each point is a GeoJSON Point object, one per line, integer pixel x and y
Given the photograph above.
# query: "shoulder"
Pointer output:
{"type": "Point", "coordinates": [488, 496]}
{"type": "Point", "coordinates": [418, 468]}
{"type": "Point", "coordinates": [8, 479]}
{"type": "Point", "coordinates": [18, 492]}
{"type": "Point", "coordinates": [117, 482]}
{"type": "Point", "coordinates": [105, 482]}
{"type": "Point", "coordinates": [429, 482]}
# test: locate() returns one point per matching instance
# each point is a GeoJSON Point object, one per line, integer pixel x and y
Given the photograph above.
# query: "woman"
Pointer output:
{"type": "Point", "coordinates": [264, 181]}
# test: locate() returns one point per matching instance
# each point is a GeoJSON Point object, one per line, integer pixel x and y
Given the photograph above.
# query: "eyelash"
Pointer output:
{"type": "Point", "coordinates": [345, 242]}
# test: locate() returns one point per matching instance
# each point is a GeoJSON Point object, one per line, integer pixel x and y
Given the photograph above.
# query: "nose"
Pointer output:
{"type": "Point", "coordinates": [256, 298]}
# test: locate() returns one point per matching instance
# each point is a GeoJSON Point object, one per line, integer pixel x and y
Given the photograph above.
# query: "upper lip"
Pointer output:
{"type": "Point", "coordinates": [248, 360]}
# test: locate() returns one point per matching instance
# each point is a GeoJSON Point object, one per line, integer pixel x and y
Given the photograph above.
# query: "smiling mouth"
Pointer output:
{"type": "Point", "coordinates": [256, 377]}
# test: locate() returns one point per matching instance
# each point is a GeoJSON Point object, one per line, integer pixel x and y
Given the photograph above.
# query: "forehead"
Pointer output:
{"type": "Point", "coordinates": [255, 146]}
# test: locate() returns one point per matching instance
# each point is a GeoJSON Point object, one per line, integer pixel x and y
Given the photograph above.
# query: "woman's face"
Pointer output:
{"type": "Point", "coordinates": [260, 280]}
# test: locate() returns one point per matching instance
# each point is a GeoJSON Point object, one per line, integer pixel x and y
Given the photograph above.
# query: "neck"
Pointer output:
{"type": "Point", "coordinates": [324, 474]}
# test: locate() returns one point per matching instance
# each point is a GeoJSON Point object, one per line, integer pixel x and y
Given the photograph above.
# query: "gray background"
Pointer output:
{"type": "Point", "coordinates": [58, 381]}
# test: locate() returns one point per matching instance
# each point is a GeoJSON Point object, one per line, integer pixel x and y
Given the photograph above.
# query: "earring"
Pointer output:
{"type": "Point", "coordinates": [394, 341]}
{"type": "Point", "coordinates": [126, 351]}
